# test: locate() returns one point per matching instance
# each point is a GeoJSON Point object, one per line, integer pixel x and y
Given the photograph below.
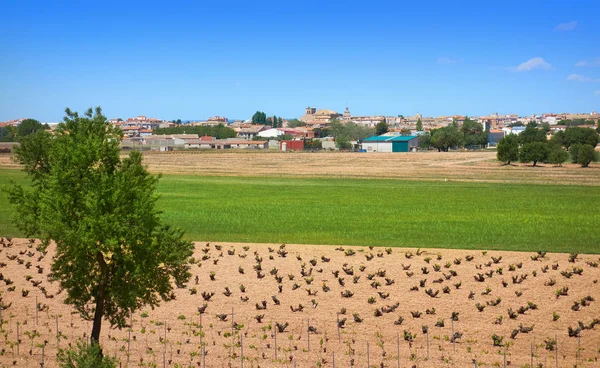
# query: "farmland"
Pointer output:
{"type": "Point", "coordinates": [288, 301]}
{"type": "Point", "coordinates": [380, 212]}
{"type": "Point", "coordinates": [455, 275]}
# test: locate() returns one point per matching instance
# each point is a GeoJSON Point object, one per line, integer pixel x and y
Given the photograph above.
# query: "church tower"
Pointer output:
{"type": "Point", "coordinates": [347, 115]}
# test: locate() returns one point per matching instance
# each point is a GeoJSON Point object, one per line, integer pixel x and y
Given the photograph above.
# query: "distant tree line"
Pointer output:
{"type": "Point", "coordinates": [219, 131]}
{"type": "Point", "coordinates": [25, 128]}
{"type": "Point", "coordinates": [576, 122]}
{"type": "Point", "coordinates": [470, 134]}
{"type": "Point", "coordinates": [260, 118]}
{"type": "Point", "coordinates": [532, 146]}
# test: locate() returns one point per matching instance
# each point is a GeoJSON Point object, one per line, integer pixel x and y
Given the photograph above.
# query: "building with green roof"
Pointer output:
{"type": "Point", "coordinates": [390, 143]}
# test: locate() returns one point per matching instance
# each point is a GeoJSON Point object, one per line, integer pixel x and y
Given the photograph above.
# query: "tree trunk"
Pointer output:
{"type": "Point", "coordinates": [98, 314]}
{"type": "Point", "coordinates": [100, 296]}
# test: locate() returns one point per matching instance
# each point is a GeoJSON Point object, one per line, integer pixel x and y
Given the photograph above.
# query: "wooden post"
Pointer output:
{"type": "Point", "coordinates": [308, 333]}
{"type": "Point", "coordinates": [475, 363]}
{"type": "Point", "coordinates": [18, 338]}
{"type": "Point", "coordinates": [200, 329]}
{"type": "Point", "coordinates": [452, 337]}
{"type": "Point", "coordinates": [165, 348]}
{"type": "Point", "coordinates": [368, 358]}
{"type": "Point", "coordinates": [398, 347]}
{"type": "Point", "coordinates": [427, 337]}
{"type": "Point", "coordinates": [556, 351]}
{"type": "Point", "coordinates": [531, 362]}
{"type": "Point", "coordinates": [337, 317]}
{"type": "Point", "coordinates": [333, 359]}
{"type": "Point", "coordinates": [578, 345]}
{"type": "Point", "coordinates": [129, 335]}
{"type": "Point", "coordinates": [242, 350]}
{"type": "Point", "coordinates": [57, 334]}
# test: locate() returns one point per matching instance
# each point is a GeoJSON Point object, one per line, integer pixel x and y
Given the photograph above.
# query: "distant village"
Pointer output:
{"type": "Point", "coordinates": [401, 134]}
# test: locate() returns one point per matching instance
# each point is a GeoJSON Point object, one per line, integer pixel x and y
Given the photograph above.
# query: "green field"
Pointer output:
{"type": "Point", "coordinates": [375, 212]}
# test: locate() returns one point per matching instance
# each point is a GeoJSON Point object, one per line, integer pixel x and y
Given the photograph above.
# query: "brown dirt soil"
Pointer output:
{"type": "Point", "coordinates": [479, 166]}
{"type": "Point", "coordinates": [466, 166]}
{"type": "Point", "coordinates": [380, 333]}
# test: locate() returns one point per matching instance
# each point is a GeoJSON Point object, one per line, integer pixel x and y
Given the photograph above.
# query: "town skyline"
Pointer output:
{"type": "Point", "coordinates": [191, 61]}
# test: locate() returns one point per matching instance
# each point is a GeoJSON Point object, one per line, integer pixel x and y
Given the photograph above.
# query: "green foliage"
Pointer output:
{"type": "Point", "coordinates": [84, 356]}
{"type": "Point", "coordinates": [473, 132]}
{"type": "Point", "coordinates": [343, 143]}
{"type": "Point", "coordinates": [585, 154]}
{"type": "Point", "coordinates": [580, 136]}
{"type": "Point", "coordinates": [576, 122]}
{"type": "Point", "coordinates": [534, 152]}
{"type": "Point", "coordinates": [557, 155]}
{"type": "Point", "coordinates": [312, 144]}
{"type": "Point", "coordinates": [419, 125]}
{"type": "Point", "coordinates": [348, 131]}
{"type": "Point", "coordinates": [294, 123]}
{"type": "Point", "coordinates": [446, 138]}
{"type": "Point", "coordinates": [425, 140]}
{"type": "Point", "coordinates": [220, 131]}
{"type": "Point", "coordinates": [30, 126]}
{"type": "Point", "coordinates": [8, 134]}
{"type": "Point", "coordinates": [381, 128]}
{"type": "Point", "coordinates": [113, 255]}
{"type": "Point", "coordinates": [259, 117]}
{"type": "Point", "coordinates": [532, 134]}
{"type": "Point", "coordinates": [508, 149]}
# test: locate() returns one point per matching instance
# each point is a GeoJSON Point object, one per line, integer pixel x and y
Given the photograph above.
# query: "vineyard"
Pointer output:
{"type": "Point", "coordinates": [268, 305]}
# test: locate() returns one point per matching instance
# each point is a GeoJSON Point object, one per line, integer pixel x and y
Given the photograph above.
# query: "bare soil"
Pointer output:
{"type": "Point", "coordinates": [379, 335]}
{"type": "Point", "coordinates": [463, 166]}
{"type": "Point", "coordinates": [477, 166]}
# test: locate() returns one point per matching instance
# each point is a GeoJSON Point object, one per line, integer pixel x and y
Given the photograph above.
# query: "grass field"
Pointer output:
{"type": "Point", "coordinates": [380, 212]}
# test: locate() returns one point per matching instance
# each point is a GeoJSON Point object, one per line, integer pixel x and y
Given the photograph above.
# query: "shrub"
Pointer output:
{"type": "Point", "coordinates": [84, 356]}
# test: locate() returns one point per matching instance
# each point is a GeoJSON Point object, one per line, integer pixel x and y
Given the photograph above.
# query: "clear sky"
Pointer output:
{"type": "Point", "coordinates": [196, 59]}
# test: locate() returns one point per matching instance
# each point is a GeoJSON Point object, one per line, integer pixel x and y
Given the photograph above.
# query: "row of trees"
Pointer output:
{"type": "Point", "coordinates": [25, 128]}
{"type": "Point", "coordinates": [344, 133]}
{"type": "Point", "coordinates": [532, 146]}
{"type": "Point", "coordinates": [470, 134]}
{"type": "Point", "coordinates": [260, 118]}
{"type": "Point", "coordinates": [219, 131]}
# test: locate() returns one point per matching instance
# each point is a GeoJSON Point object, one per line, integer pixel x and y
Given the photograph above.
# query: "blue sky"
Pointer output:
{"type": "Point", "coordinates": [196, 59]}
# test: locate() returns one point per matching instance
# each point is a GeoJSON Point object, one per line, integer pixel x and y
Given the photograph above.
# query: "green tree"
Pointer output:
{"type": "Point", "coordinates": [381, 128]}
{"type": "Point", "coordinates": [30, 126]}
{"type": "Point", "coordinates": [419, 125]}
{"type": "Point", "coordinates": [113, 254]}
{"type": "Point", "coordinates": [425, 140]}
{"type": "Point", "coordinates": [577, 135]}
{"type": "Point", "coordinates": [557, 155]}
{"type": "Point", "coordinates": [473, 132]}
{"type": "Point", "coordinates": [8, 134]}
{"type": "Point", "coordinates": [259, 118]}
{"type": "Point", "coordinates": [445, 138]}
{"type": "Point", "coordinates": [343, 143]}
{"type": "Point", "coordinates": [508, 149]}
{"type": "Point", "coordinates": [534, 152]}
{"type": "Point", "coordinates": [532, 134]}
{"type": "Point", "coordinates": [294, 123]}
{"type": "Point", "coordinates": [585, 155]}
{"type": "Point", "coordinates": [220, 131]}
